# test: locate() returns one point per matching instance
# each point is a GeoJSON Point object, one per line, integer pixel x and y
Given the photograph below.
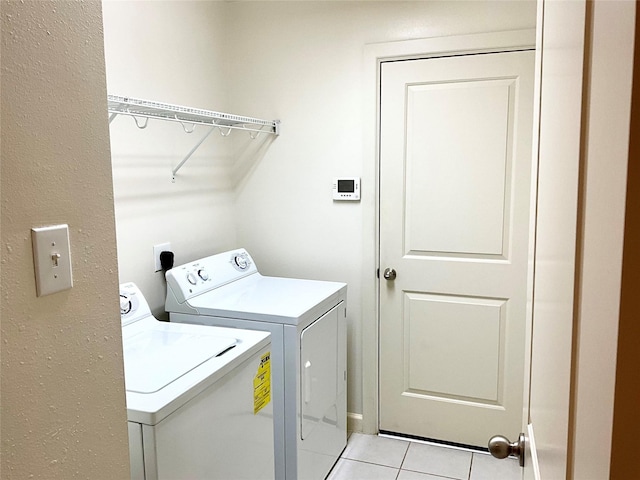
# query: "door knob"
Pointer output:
{"type": "Point", "coordinates": [389, 274]}
{"type": "Point", "coordinates": [500, 447]}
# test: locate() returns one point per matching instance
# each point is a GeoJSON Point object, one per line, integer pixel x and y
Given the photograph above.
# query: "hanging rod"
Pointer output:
{"type": "Point", "coordinates": [226, 122]}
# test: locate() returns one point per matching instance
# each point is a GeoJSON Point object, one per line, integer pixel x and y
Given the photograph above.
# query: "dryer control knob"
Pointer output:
{"type": "Point", "coordinates": [191, 278]}
{"type": "Point", "coordinates": [202, 273]}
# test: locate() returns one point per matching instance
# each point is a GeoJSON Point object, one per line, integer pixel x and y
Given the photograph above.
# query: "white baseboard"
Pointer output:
{"type": "Point", "coordinates": [354, 422]}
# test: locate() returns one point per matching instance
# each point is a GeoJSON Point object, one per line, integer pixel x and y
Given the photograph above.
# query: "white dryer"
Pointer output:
{"type": "Point", "coordinates": [307, 321]}
{"type": "Point", "coordinates": [198, 399]}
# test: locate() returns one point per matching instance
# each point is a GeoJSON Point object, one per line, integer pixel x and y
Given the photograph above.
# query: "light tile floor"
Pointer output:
{"type": "Point", "coordinates": [369, 457]}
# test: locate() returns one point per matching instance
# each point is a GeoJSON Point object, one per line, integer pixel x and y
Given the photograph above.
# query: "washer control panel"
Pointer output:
{"type": "Point", "coordinates": [195, 278]}
{"type": "Point", "coordinates": [241, 261]}
{"type": "Point", "coordinates": [133, 305]}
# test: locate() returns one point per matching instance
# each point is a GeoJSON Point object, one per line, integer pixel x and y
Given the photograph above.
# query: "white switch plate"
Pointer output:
{"type": "Point", "coordinates": [52, 259]}
{"type": "Point", "coordinates": [157, 249]}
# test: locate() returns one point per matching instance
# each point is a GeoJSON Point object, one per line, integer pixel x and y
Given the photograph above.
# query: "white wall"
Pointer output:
{"type": "Point", "coordinates": [171, 52]}
{"type": "Point", "coordinates": [301, 62]}
{"type": "Point", "coordinates": [63, 401]}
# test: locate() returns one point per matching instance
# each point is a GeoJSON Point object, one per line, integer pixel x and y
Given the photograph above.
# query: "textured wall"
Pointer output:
{"type": "Point", "coordinates": [63, 403]}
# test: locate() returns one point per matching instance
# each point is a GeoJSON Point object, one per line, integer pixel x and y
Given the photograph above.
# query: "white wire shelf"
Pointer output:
{"type": "Point", "coordinates": [189, 118]}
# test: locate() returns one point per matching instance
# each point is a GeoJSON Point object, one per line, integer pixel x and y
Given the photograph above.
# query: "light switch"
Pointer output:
{"type": "Point", "coordinates": [52, 259]}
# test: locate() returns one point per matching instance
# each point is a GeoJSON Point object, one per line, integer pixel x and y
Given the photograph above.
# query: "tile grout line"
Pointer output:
{"type": "Point", "coordinates": [404, 457]}
{"type": "Point", "coordinates": [402, 461]}
{"type": "Point", "coordinates": [368, 463]}
{"type": "Point", "coordinates": [408, 444]}
{"type": "Point", "coordinates": [417, 471]}
{"type": "Point", "coordinates": [444, 477]}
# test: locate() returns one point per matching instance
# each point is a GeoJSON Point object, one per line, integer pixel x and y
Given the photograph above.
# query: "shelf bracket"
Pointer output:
{"type": "Point", "coordinates": [191, 152]}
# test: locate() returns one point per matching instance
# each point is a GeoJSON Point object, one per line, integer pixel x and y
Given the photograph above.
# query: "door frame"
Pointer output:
{"type": "Point", "coordinates": [374, 55]}
{"type": "Point", "coordinates": [593, 58]}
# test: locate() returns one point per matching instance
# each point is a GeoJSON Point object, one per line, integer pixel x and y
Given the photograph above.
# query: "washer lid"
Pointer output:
{"type": "Point", "coordinates": [155, 358]}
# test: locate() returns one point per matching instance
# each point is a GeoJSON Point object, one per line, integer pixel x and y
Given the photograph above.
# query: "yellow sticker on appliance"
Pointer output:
{"type": "Point", "coordinates": [262, 384]}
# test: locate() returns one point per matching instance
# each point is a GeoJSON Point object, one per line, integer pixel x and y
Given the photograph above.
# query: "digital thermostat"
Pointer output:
{"type": "Point", "coordinates": [346, 188]}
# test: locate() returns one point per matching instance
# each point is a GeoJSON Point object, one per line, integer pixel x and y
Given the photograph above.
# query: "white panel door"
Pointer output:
{"type": "Point", "coordinates": [455, 182]}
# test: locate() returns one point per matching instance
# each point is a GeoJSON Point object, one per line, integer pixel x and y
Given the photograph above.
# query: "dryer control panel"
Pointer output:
{"type": "Point", "coordinates": [191, 279]}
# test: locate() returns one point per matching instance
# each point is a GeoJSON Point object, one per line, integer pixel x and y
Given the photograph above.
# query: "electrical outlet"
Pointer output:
{"type": "Point", "coordinates": [157, 249]}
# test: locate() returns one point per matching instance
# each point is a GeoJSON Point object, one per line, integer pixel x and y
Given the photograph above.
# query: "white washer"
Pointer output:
{"type": "Point", "coordinates": [198, 399]}
{"type": "Point", "coordinates": [307, 321]}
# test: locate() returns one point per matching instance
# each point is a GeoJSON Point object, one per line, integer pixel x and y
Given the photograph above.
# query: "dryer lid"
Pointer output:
{"type": "Point", "coordinates": [155, 358]}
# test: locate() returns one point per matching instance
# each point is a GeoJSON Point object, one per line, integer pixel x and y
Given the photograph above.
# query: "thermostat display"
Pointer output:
{"type": "Point", "coordinates": [346, 188]}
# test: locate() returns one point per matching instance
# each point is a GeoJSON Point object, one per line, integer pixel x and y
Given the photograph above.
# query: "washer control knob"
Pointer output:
{"type": "Point", "coordinates": [202, 273]}
{"type": "Point", "coordinates": [241, 261]}
{"type": "Point", "coordinates": [125, 305]}
{"type": "Point", "coordinates": [191, 278]}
